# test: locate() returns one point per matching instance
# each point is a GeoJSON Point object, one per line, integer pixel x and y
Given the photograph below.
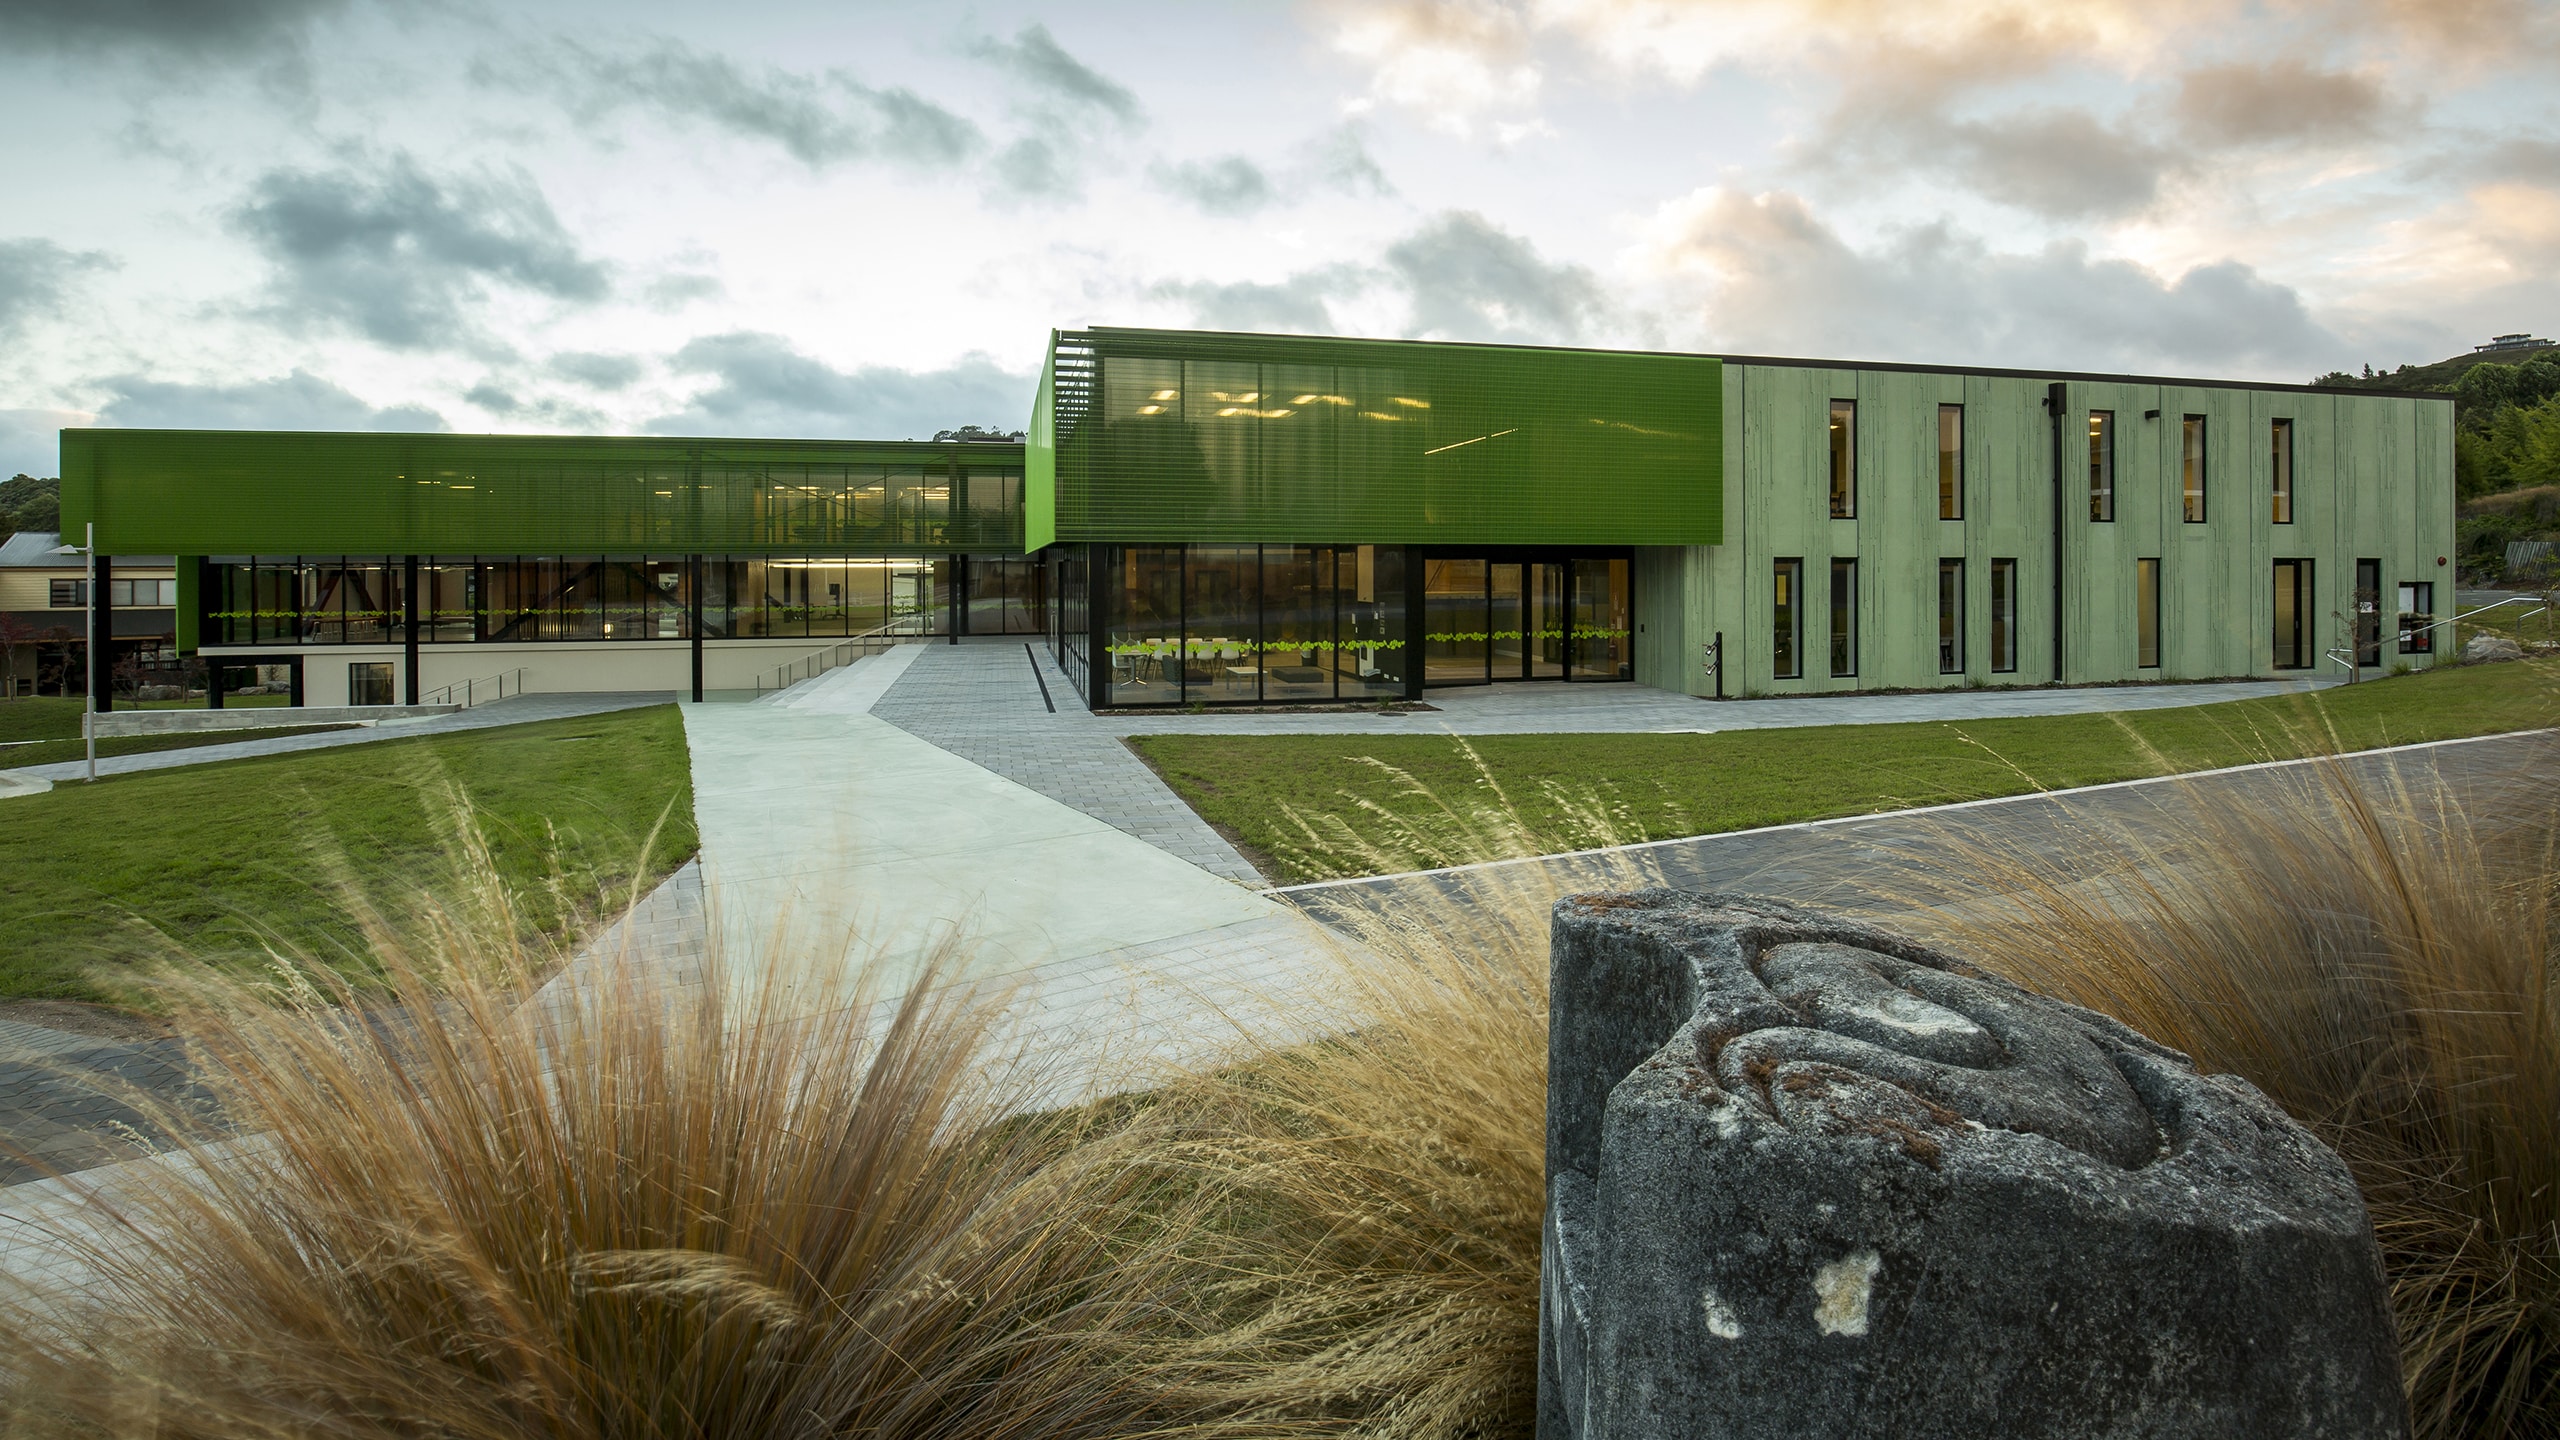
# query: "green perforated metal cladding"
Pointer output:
{"type": "Point", "coordinates": [214, 492]}
{"type": "Point", "coordinates": [1182, 436]}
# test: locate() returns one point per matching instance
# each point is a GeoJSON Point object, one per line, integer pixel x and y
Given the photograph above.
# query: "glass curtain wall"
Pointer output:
{"type": "Point", "coordinates": [1240, 624]}
{"type": "Point", "coordinates": [1488, 620]}
{"type": "Point", "coordinates": [516, 599]}
{"type": "Point", "coordinates": [1007, 595]}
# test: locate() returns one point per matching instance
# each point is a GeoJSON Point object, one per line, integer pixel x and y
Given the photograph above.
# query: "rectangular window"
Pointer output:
{"type": "Point", "coordinates": [2191, 468]}
{"type": "Point", "coordinates": [2281, 440]}
{"type": "Point", "coordinates": [1786, 659]}
{"type": "Point", "coordinates": [2293, 616]}
{"type": "Point", "coordinates": [2004, 616]}
{"type": "Point", "coordinates": [2417, 618]}
{"type": "Point", "coordinates": [69, 594]}
{"type": "Point", "coordinates": [1844, 617]}
{"type": "Point", "coordinates": [369, 682]}
{"type": "Point", "coordinates": [1844, 459]}
{"type": "Point", "coordinates": [2102, 465]}
{"type": "Point", "coordinates": [1950, 617]}
{"type": "Point", "coordinates": [2146, 614]}
{"type": "Point", "coordinates": [1950, 462]}
{"type": "Point", "coordinates": [2368, 611]}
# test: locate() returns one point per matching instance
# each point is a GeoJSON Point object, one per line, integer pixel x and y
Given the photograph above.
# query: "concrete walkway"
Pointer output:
{"type": "Point", "coordinates": [517, 710]}
{"type": "Point", "coordinates": [983, 702]}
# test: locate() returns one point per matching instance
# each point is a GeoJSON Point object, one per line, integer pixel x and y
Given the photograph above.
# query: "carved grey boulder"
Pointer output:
{"type": "Point", "coordinates": [1810, 1179]}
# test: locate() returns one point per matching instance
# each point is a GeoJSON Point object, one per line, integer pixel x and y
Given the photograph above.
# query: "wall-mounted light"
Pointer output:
{"type": "Point", "coordinates": [2150, 414]}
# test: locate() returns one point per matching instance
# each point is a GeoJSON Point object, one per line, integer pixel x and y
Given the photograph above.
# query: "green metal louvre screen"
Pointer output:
{"type": "Point", "coordinates": [1167, 436]}
{"type": "Point", "coordinates": [212, 492]}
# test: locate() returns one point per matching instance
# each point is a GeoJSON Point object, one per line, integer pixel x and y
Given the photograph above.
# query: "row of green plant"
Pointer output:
{"type": "Point", "coordinates": [474, 1206]}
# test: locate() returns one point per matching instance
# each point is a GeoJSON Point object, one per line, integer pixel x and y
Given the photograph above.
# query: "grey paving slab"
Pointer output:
{"type": "Point", "coordinates": [516, 710]}
{"type": "Point", "coordinates": [982, 701]}
{"type": "Point", "coordinates": [1551, 708]}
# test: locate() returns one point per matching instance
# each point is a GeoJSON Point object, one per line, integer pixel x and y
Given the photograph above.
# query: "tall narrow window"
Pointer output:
{"type": "Point", "coordinates": [2281, 441]}
{"type": "Point", "coordinates": [2368, 609]}
{"type": "Point", "coordinates": [1786, 611]}
{"type": "Point", "coordinates": [1844, 617]}
{"type": "Point", "coordinates": [2293, 616]}
{"type": "Point", "coordinates": [1950, 617]}
{"type": "Point", "coordinates": [2004, 616]}
{"type": "Point", "coordinates": [1950, 462]}
{"type": "Point", "coordinates": [2146, 614]}
{"type": "Point", "coordinates": [2191, 468]}
{"type": "Point", "coordinates": [1844, 459]}
{"type": "Point", "coordinates": [2102, 464]}
{"type": "Point", "coordinates": [2417, 618]}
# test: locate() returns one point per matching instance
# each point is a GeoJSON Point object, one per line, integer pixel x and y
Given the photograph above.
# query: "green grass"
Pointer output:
{"type": "Point", "coordinates": [1311, 807]}
{"type": "Point", "coordinates": [213, 857]}
{"type": "Point", "coordinates": [45, 730]}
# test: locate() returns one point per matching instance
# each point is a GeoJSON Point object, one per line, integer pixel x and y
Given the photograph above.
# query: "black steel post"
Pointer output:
{"type": "Point", "coordinates": [693, 589]}
{"type": "Point", "coordinates": [409, 657]}
{"type": "Point", "coordinates": [1413, 624]}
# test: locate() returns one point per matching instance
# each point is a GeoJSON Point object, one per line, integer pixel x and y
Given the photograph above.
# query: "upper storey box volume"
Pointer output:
{"type": "Point", "coordinates": [211, 492]}
{"type": "Point", "coordinates": [1145, 436]}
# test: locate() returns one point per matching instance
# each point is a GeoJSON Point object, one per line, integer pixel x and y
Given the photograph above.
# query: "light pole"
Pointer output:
{"type": "Point", "coordinates": [87, 550]}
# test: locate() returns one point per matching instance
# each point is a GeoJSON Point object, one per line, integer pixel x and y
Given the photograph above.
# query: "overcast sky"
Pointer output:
{"type": "Point", "coordinates": [862, 219]}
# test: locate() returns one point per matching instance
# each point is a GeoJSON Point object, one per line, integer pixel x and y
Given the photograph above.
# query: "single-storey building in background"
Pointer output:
{"type": "Point", "coordinates": [1253, 519]}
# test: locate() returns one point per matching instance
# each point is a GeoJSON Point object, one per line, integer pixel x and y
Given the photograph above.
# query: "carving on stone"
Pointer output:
{"type": "Point", "coordinates": [1808, 1177]}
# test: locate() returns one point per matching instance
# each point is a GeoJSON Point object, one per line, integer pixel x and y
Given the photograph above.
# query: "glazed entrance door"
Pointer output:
{"type": "Point", "coordinates": [1551, 629]}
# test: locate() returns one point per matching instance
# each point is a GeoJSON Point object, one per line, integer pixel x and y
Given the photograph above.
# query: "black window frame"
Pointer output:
{"type": "Point", "coordinates": [2102, 455]}
{"type": "Point", "coordinates": [2004, 615]}
{"type": "Point", "coordinates": [2280, 469]}
{"type": "Point", "coordinates": [1844, 608]}
{"type": "Point", "coordinates": [1786, 599]}
{"type": "Point", "coordinates": [2305, 639]}
{"type": "Point", "coordinates": [1841, 457]}
{"type": "Point", "coordinates": [1951, 616]}
{"type": "Point", "coordinates": [2147, 612]}
{"type": "Point", "coordinates": [2422, 640]}
{"type": "Point", "coordinates": [2192, 497]}
{"type": "Point", "coordinates": [66, 594]}
{"type": "Point", "coordinates": [1950, 487]}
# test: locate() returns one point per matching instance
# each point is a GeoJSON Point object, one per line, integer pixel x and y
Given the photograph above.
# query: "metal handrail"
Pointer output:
{"type": "Point", "coordinates": [469, 690]}
{"type": "Point", "coordinates": [845, 652]}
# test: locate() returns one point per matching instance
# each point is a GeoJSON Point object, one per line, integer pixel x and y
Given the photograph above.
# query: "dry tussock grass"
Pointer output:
{"type": "Point", "coordinates": [2382, 960]}
{"type": "Point", "coordinates": [465, 1206]}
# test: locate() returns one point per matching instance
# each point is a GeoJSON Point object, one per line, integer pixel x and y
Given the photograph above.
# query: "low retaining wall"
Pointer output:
{"type": "Point", "coordinates": [264, 717]}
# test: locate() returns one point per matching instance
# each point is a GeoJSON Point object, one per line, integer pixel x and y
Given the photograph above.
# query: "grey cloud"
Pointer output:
{"type": "Point", "coordinates": [36, 276]}
{"type": "Point", "coordinates": [2521, 157]}
{"type": "Point", "coordinates": [2287, 100]}
{"type": "Point", "coordinates": [764, 386]}
{"type": "Point", "coordinates": [401, 256]}
{"type": "Point", "coordinates": [2055, 161]}
{"type": "Point", "coordinates": [1791, 285]}
{"type": "Point", "coordinates": [1296, 305]}
{"type": "Point", "coordinates": [1034, 169]}
{"type": "Point", "coordinates": [1231, 185]}
{"type": "Point", "coordinates": [817, 119]}
{"type": "Point", "coordinates": [596, 371]}
{"type": "Point", "coordinates": [189, 30]}
{"type": "Point", "coordinates": [1341, 161]}
{"type": "Point", "coordinates": [674, 292]}
{"type": "Point", "coordinates": [498, 400]}
{"type": "Point", "coordinates": [1472, 281]}
{"type": "Point", "coordinates": [1038, 60]}
{"type": "Point", "coordinates": [298, 401]}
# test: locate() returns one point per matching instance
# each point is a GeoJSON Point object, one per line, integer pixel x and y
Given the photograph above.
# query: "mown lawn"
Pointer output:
{"type": "Point", "coordinates": [221, 858]}
{"type": "Point", "coordinates": [1311, 807]}
{"type": "Point", "coordinates": [45, 730]}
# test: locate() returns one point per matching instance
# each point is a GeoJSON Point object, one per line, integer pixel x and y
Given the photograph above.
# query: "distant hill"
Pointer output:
{"type": "Point", "coordinates": [2442, 375]}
